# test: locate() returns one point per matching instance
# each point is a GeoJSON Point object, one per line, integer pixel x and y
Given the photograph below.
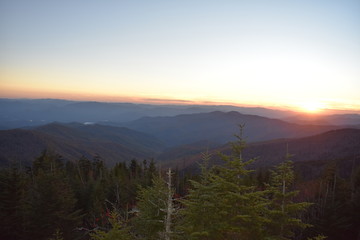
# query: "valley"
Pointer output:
{"type": "Point", "coordinates": [114, 155]}
{"type": "Point", "coordinates": [172, 135]}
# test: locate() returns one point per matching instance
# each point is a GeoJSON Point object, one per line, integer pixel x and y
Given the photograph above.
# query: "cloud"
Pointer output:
{"type": "Point", "coordinates": [165, 100]}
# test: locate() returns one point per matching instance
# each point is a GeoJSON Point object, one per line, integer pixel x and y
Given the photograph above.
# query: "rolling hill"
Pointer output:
{"type": "Point", "coordinates": [17, 113]}
{"type": "Point", "coordinates": [74, 140]}
{"type": "Point", "coordinates": [219, 128]}
{"type": "Point", "coordinates": [168, 139]}
{"type": "Point", "coordinates": [320, 148]}
{"type": "Point", "coordinates": [321, 119]}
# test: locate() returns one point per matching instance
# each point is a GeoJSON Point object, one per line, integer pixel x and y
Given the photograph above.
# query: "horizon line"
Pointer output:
{"type": "Point", "coordinates": [184, 102]}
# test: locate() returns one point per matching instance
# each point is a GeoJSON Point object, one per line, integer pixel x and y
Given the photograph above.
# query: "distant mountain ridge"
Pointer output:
{"type": "Point", "coordinates": [33, 112]}
{"type": "Point", "coordinates": [164, 132]}
{"type": "Point", "coordinates": [115, 144]}
{"type": "Point", "coordinates": [335, 119]}
{"type": "Point", "coordinates": [219, 127]}
{"type": "Point", "coordinates": [17, 113]}
{"type": "Point", "coordinates": [74, 140]}
{"type": "Point", "coordinates": [337, 144]}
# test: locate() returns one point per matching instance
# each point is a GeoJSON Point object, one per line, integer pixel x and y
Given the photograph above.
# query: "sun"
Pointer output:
{"type": "Point", "coordinates": [312, 106]}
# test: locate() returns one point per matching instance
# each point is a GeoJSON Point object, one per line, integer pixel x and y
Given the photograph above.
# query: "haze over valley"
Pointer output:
{"type": "Point", "coordinates": [120, 132]}
{"type": "Point", "coordinates": [178, 120]}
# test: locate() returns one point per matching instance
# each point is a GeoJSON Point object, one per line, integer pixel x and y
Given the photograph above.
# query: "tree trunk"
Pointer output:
{"type": "Point", "coordinates": [170, 209]}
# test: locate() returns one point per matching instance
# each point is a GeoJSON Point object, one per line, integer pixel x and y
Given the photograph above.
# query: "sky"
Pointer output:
{"type": "Point", "coordinates": [269, 53]}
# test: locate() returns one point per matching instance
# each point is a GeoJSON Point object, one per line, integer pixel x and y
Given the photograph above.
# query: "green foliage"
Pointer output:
{"type": "Point", "coordinates": [117, 231]}
{"type": "Point", "coordinates": [12, 196]}
{"type": "Point", "coordinates": [57, 235]}
{"type": "Point", "coordinates": [244, 205]}
{"type": "Point", "coordinates": [202, 215]}
{"type": "Point", "coordinates": [224, 204]}
{"type": "Point", "coordinates": [335, 213]}
{"type": "Point", "coordinates": [51, 201]}
{"type": "Point", "coordinates": [318, 237]}
{"type": "Point", "coordinates": [284, 213]}
{"type": "Point", "coordinates": [149, 221]}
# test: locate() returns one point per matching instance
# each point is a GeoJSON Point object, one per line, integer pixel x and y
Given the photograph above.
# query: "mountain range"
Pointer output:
{"type": "Point", "coordinates": [17, 113]}
{"type": "Point", "coordinates": [197, 133]}
{"type": "Point", "coordinates": [220, 127]}
{"type": "Point", "coordinates": [171, 134]}
{"type": "Point", "coordinates": [72, 141]}
{"type": "Point", "coordinates": [340, 144]}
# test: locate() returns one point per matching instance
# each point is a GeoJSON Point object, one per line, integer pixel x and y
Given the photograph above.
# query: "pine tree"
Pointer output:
{"type": "Point", "coordinates": [334, 207]}
{"type": "Point", "coordinates": [245, 205]}
{"type": "Point", "coordinates": [57, 235]}
{"type": "Point", "coordinates": [12, 196]}
{"type": "Point", "coordinates": [318, 237]}
{"type": "Point", "coordinates": [354, 204]}
{"type": "Point", "coordinates": [117, 231]}
{"type": "Point", "coordinates": [169, 210]}
{"type": "Point", "coordinates": [151, 205]}
{"type": "Point", "coordinates": [201, 218]}
{"type": "Point", "coordinates": [121, 188]}
{"type": "Point", "coordinates": [50, 202]}
{"type": "Point", "coordinates": [224, 204]}
{"type": "Point", "coordinates": [284, 212]}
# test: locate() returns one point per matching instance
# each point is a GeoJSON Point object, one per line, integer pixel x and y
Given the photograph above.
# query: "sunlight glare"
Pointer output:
{"type": "Point", "coordinates": [312, 106]}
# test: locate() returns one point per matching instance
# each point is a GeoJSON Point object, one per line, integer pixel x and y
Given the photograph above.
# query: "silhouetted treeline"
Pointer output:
{"type": "Point", "coordinates": [85, 199]}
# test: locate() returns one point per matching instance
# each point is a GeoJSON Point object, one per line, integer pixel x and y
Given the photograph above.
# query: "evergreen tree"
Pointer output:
{"type": "Point", "coordinates": [117, 230]}
{"type": "Point", "coordinates": [224, 204]}
{"type": "Point", "coordinates": [50, 202]}
{"type": "Point", "coordinates": [169, 210]}
{"type": "Point", "coordinates": [245, 206]}
{"type": "Point", "coordinates": [57, 235]}
{"type": "Point", "coordinates": [149, 172]}
{"type": "Point", "coordinates": [284, 212]}
{"type": "Point", "coordinates": [354, 205]}
{"type": "Point", "coordinates": [12, 195]}
{"type": "Point", "coordinates": [151, 204]}
{"type": "Point", "coordinates": [99, 169]}
{"type": "Point", "coordinates": [201, 218]}
{"type": "Point", "coordinates": [121, 188]}
{"type": "Point", "coordinates": [135, 169]}
{"type": "Point", "coordinates": [84, 167]}
{"type": "Point", "coordinates": [334, 207]}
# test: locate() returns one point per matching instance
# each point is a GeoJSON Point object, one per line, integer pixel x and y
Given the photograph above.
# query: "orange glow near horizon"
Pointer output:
{"type": "Point", "coordinates": [12, 87]}
{"type": "Point", "coordinates": [312, 106]}
{"type": "Point", "coordinates": [276, 55]}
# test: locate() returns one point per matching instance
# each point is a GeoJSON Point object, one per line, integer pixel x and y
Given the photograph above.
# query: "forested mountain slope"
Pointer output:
{"type": "Point", "coordinates": [325, 119]}
{"type": "Point", "coordinates": [74, 140]}
{"type": "Point", "coordinates": [167, 139]}
{"type": "Point", "coordinates": [34, 112]}
{"type": "Point", "coordinates": [219, 127]}
{"type": "Point", "coordinates": [328, 146]}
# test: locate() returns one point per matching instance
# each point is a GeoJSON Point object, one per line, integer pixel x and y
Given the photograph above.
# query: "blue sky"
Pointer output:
{"type": "Point", "coordinates": [275, 53]}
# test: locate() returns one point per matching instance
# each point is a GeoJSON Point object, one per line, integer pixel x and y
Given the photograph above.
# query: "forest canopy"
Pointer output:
{"type": "Point", "coordinates": [85, 199]}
